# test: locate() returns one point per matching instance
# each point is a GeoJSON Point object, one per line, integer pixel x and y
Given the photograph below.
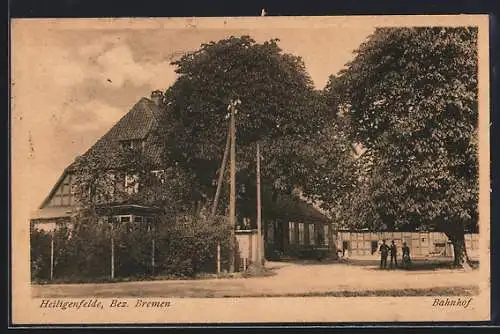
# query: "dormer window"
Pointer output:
{"type": "Point", "coordinates": [132, 144]}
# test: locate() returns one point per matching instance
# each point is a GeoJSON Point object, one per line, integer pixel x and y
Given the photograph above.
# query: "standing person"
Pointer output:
{"type": "Point", "coordinates": [384, 251]}
{"type": "Point", "coordinates": [406, 255]}
{"type": "Point", "coordinates": [394, 251]}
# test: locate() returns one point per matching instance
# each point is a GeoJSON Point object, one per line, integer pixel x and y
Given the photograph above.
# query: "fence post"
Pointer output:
{"type": "Point", "coordinates": [112, 253]}
{"type": "Point", "coordinates": [52, 255]}
{"type": "Point", "coordinates": [218, 257]}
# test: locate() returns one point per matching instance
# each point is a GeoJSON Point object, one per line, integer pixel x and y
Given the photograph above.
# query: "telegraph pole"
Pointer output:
{"type": "Point", "coordinates": [259, 223]}
{"type": "Point", "coordinates": [219, 187]}
{"type": "Point", "coordinates": [232, 180]}
{"type": "Point", "coordinates": [232, 190]}
{"type": "Point", "coordinates": [221, 172]}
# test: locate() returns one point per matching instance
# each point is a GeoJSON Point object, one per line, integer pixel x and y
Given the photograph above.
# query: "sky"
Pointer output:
{"type": "Point", "coordinates": [72, 81]}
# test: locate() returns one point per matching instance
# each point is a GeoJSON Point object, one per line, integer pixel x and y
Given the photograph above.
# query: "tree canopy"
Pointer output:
{"type": "Point", "coordinates": [412, 101]}
{"type": "Point", "coordinates": [279, 108]}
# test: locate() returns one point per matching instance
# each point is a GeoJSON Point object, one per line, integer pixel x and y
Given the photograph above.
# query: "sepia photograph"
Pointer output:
{"type": "Point", "coordinates": [250, 169]}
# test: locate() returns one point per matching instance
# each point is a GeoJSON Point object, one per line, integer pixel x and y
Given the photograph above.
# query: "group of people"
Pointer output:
{"type": "Point", "coordinates": [385, 250]}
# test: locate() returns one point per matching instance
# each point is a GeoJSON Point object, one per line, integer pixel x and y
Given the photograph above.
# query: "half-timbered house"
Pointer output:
{"type": "Point", "coordinates": [136, 129]}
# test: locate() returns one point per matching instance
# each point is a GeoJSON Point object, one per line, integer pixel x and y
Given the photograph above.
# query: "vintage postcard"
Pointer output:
{"type": "Point", "coordinates": [250, 170]}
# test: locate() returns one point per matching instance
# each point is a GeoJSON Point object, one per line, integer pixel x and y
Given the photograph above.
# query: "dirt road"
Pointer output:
{"type": "Point", "coordinates": [290, 279]}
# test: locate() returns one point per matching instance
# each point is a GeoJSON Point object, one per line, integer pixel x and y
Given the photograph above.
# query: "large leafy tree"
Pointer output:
{"type": "Point", "coordinates": [279, 109]}
{"type": "Point", "coordinates": [412, 100]}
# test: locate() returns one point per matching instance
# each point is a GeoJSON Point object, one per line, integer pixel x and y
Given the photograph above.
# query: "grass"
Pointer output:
{"type": "Point", "coordinates": [445, 291]}
{"type": "Point", "coordinates": [214, 292]}
{"type": "Point", "coordinates": [250, 273]}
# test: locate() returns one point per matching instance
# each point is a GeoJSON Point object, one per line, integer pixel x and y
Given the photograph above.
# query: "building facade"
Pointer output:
{"type": "Point", "coordinates": [296, 229]}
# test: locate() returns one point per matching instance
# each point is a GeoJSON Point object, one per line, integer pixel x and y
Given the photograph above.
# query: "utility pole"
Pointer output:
{"type": "Point", "coordinates": [219, 188]}
{"type": "Point", "coordinates": [232, 180]}
{"type": "Point", "coordinates": [232, 190]}
{"type": "Point", "coordinates": [221, 172]}
{"type": "Point", "coordinates": [259, 223]}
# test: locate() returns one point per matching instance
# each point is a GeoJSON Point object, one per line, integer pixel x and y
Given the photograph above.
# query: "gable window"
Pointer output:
{"type": "Point", "coordinates": [131, 183]}
{"type": "Point", "coordinates": [132, 144]}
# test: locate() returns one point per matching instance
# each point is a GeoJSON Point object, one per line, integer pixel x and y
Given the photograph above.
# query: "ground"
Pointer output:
{"type": "Point", "coordinates": [355, 277]}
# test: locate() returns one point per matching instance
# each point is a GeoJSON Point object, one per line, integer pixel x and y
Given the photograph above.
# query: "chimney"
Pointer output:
{"type": "Point", "coordinates": [157, 97]}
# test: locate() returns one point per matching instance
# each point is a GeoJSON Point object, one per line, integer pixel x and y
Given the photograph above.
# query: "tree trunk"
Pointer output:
{"type": "Point", "coordinates": [332, 241]}
{"type": "Point", "coordinates": [460, 257]}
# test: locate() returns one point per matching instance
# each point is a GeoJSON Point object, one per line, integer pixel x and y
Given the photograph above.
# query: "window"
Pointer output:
{"type": "Point", "coordinates": [301, 233]}
{"type": "Point", "coordinates": [312, 240]}
{"type": "Point", "coordinates": [134, 144]}
{"type": "Point", "coordinates": [131, 183]}
{"type": "Point", "coordinates": [291, 233]}
{"type": "Point", "coordinates": [124, 219]}
{"type": "Point", "coordinates": [138, 219]}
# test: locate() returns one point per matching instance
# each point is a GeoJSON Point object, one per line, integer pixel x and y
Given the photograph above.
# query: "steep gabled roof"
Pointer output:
{"type": "Point", "coordinates": [137, 124]}
{"type": "Point", "coordinates": [142, 119]}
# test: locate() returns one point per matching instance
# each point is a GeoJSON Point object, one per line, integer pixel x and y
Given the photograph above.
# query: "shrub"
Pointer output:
{"type": "Point", "coordinates": [183, 247]}
{"type": "Point", "coordinates": [189, 245]}
{"type": "Point", "coordinates": [39, 254]}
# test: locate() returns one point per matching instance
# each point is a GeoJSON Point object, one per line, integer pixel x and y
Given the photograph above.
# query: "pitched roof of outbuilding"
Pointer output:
{"type": "Point", "coordinates": [294, 208]}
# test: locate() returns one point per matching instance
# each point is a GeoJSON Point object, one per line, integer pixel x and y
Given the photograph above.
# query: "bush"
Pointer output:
{"type": "Point", "coordinates": [39, 254]}
{"type": "Point", "coordinates": [133, 249]}
{"type": "Point", "coordinates": [183, 247]}
{"type": "Point", "coordinates": [188, 246]}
